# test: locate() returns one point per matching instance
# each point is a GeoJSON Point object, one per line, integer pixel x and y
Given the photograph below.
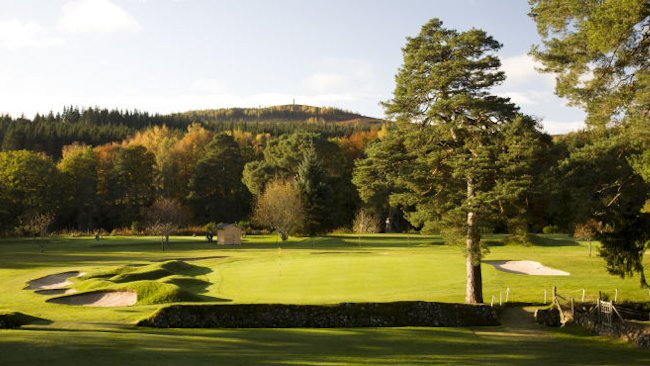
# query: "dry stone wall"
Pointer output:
{"type": "Point", "coordinates": [395, 314]}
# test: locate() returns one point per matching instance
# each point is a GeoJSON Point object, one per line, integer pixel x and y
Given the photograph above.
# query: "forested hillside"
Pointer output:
{"type": "Point", "coordinates": [281, 113]}
{"type": "Point", "coordinates": [95, 126]}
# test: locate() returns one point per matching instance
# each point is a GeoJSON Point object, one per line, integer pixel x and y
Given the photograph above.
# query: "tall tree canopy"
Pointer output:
{"type": "Point", "coordinates": [216, 192]}
{"type": "Point", "coordinates": [599, 51]}
{"type": "Point", "coordinates": [464, 167]}
{"type": "Point", "coordinates": [29, 185]}
{"type": "Point", "coordinates": [79, 173]}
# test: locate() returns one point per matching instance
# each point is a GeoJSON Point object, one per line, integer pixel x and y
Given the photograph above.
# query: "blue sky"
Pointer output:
{"type": "Point", "coordinates": [176, 55]}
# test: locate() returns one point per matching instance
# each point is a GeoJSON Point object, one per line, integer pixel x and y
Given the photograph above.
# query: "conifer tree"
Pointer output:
{"type": "Point", "coordinates": [315, 193]}
{"type": "Point", "coordinates": [455, 133]}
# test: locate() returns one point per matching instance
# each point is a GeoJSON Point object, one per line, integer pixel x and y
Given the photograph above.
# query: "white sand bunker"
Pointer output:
{"type": "Point", "coordinates": [98, 298]}
{"type": "Point", "coordinates": [53, 282]}
{"type": "Point", "coordinates": [526, 267]}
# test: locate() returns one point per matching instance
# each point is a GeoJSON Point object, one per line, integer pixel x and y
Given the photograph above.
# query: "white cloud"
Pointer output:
{"type": "Point", "coordinates": [326, 81]}
{"type": "Point", "coordinates": [211, 86]}
{"type": "Point", "coordinates": [528, 97]}
{"type": "Point", "coordinates": [341, 75]}
{"type": "Point", "coordinates": [519, 98]}
{"type": "Point", "coordinates": [16, 34]}
{"type": "Point", "coordinates": [555, 127]}
{"type": "Point", "coordinates": [521, 70]}
{"type": "Point", "coordinates": [96, 16]}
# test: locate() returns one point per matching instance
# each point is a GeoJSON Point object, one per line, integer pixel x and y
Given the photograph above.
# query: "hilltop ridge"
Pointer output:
{"type": "Point", "coordinates": [280, 113]}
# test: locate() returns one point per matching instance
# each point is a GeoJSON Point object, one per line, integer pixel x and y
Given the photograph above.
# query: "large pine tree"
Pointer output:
{"type": "Point", "coordinates": [465, 164]}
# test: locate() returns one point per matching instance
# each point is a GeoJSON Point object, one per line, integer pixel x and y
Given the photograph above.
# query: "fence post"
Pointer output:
{"type": "Point", "coordinates": [615, 294]}
{"type": "Point", "coordinates": [583, 295]}
{"type": "Point", "coordinates": [507, 294]}
{"type": "Point", "coordinates": [544, 296]}
{"type": "Point", "coordinates": [500, 294]}
{"type": "Point", "coordinates": [492, 302]}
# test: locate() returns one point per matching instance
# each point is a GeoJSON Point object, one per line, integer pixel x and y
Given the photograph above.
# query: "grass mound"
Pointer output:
{"type": "Point", "coordinates": [157, 283]}
{"type": "Point", "coordinates": [152, 274]}
{"type": "Point", "coordinates": [109, 272]}
{"type": "Point", "coordinates": [13, 319]}
{"type": "Point", "coordinates": [189, 283]}
{"type": "Point", "coordinates": [157, 271]}
{"type": "Point", "coordinates": [152, 292]}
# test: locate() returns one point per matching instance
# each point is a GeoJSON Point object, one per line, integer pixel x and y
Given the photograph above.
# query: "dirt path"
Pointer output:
{"type": "Point", "coordinates": [516, 322]}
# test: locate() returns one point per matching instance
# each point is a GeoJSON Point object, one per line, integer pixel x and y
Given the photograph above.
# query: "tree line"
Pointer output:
{"type": "Point", "coordinates": [215, 176]}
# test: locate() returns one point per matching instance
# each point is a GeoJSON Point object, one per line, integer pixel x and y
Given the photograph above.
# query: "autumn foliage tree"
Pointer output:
{"type": "Point", "coordinates": [164, 217]}
{"type": "Point", "coordinates": [279, 207]}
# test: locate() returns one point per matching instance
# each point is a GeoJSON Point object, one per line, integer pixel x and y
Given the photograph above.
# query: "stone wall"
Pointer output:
{"type": "Point", "coordinates": [549, 317]}
{"type": "Point", "coordinates": [632, 332]}
{"type": "Point", "coordinates": [395, 314]}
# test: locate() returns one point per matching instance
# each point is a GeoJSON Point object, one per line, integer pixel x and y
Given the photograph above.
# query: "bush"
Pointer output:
{"type": "Point", "coordinates": [122, 231]}
{"type": "Point", "coordinates": [191, 230]}
{"type": "Point", "coordinates": [210, 226]}
{"type": "Point", "coordinates": [365, 222]}
{"type": "Point", "coordinates": [342, 230]}
{"type": "Point", "coordinates": [551, 229]}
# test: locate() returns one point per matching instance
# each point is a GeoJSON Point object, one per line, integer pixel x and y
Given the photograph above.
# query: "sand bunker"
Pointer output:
{"type": "Point", "coordinates": [53, 282]}
{"type": "Point", "coordinates": [526, 267]}
{"type": "Point", "coordinates": [98, 298]}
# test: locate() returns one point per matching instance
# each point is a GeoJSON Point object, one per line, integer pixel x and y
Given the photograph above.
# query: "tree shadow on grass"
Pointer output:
{"type": "Point", "coordinates": [349, 242]}
{"type": "Point", "coordinates": [553, 241]}
{"type": "Point", "coordinates": [366, 346]}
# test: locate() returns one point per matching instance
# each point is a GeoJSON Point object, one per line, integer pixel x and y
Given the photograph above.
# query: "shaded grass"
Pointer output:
{"type": "Point", "coordinates": [362, 346]}
{"type": "Point", "coordinates": [14, 319]}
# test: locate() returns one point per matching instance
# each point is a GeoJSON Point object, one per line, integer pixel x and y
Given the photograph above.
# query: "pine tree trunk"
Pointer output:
{"type": "Point", "coordinates": [474, 286]}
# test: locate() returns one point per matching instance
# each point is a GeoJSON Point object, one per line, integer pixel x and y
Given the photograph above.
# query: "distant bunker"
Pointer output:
{"type": "Point", "coordinates": [531, 268]}
{"type": "Point", "coordinates": [53, 282]}
{"type": "Point", "coordinates": [345, 315]}
{"type": "Point", "coordinates": [98, 298]}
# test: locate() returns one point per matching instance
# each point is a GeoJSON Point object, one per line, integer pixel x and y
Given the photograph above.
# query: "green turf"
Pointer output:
{"type": "Point", "coordinates": [303, 270]}
{"type": "Point", "coordinates": [158, 283]}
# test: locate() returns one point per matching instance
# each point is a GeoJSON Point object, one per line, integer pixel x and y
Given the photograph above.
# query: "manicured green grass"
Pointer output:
{"type": "Point", "coordinates": [331, 269]}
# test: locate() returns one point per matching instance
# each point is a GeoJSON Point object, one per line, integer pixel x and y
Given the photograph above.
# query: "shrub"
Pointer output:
{"type": "Point", "coordinates": [210, 226]}
{"type": "Point", "coordinates": [191, 230]}
{"type": "Point", "coordinates": [551, 229]}
{"type": "Point", "coordinates": [365, 222]}
{"type": "Point", "coordinates": [123, 231]}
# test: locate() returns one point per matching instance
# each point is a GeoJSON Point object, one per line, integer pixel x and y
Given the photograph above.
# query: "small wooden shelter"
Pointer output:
{"type": "Point", "coordinates": [229, 234]}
